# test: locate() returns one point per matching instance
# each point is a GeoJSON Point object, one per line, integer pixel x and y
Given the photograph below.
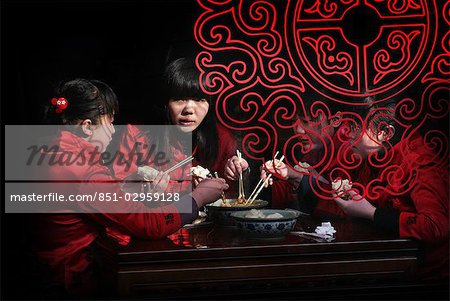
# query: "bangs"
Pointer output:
{"type": "Point", "coordinates": [186, 87]}
{"type": "Point", "coordinates": [182, 80]}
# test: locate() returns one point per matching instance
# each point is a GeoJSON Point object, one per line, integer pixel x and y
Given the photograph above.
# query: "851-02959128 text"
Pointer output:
{"type": "Point", "coordinates": [97, 196]}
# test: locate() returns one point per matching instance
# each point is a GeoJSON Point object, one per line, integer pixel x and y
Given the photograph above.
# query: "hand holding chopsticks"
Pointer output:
{"type": "Point", "coordinates": [234, 167]}
{"type": "Point", "coordinates": [262, 182]}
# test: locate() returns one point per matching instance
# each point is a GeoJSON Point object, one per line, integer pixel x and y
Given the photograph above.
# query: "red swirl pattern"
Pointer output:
{"type": "Point", "coordinates": [329, 9]}
{"type": "Point", "coordinates": [265, 60]}
{"type": "Point", "coordinates": [385, 63]}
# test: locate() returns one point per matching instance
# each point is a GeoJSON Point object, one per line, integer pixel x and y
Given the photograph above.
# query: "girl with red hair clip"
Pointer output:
{"type": "Point", "coordinates": [64, 241]}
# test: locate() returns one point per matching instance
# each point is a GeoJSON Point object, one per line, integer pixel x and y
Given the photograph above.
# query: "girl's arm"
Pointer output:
{"type": "Point", "coordinates": [133, 217]}
{"type": "Point", "coordinates": [136, 219]}
{"type": "Point", "coordinates": [127, 152]}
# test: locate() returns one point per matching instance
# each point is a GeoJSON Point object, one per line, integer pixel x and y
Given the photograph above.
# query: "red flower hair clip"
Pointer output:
{"type": "Point", "coordinates": [60, 103]}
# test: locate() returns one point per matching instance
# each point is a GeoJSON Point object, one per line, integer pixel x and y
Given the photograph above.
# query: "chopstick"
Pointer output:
{"type": "Point", "coordinates": [241, 181]}
{"type": "Point", "coordinates": [260, 180]}
{"type": "Point", "coordinates": [179, 164]}
{"type": "Point", "coordinates": [223, 193]}
{"type": "Point", "coordinates": [262, 186]}
{"type": "Point", "coordinates": [257, 189]}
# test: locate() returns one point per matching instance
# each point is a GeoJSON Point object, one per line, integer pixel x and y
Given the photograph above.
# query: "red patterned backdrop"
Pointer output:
{"type": "Point", "coordinates": [265, 59]}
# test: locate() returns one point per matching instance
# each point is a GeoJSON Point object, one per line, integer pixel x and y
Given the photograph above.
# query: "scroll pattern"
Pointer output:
{"type": "Point", "coordinates": [268, 62]}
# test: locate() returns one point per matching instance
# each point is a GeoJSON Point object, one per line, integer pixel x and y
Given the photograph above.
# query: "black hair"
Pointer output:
{"type": "Point", "coordinates": [87, 99]}
{"type": "Point", "coordinates": [181, 80]}
{"type": "Point", "coordinates": [380, 116]}
{"type": "Point", "coordinates": [378, 121]}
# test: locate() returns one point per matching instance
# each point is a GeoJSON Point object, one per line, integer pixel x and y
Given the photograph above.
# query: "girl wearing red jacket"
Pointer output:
{"type": "Point", "coordinates": [190, 110]}
{"type": "Point", "coordinates": [414, 201]}
{"type": "Point", "coordinates": [64, 240]}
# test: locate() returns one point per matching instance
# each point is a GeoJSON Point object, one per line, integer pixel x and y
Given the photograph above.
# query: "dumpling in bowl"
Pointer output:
{"type": "Point", "coordinates": [274, 215]}
{"type": "Point", "coordinates": [253, 213]}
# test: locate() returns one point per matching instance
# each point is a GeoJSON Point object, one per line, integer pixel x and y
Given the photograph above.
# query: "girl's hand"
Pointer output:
{"type": "Point", "coordinates": [273, 167]}
{"type": "Point", "coordinates": [264, 176]}
{"type": "Point", "coordinates": [356, 206]}
{"type": "Point", "coordinates": [208, 191]}
{"type": "Point", "coordinates": [282, 170]}
{"type": "Point", "coordinates": [277, 167]}
{"type": "Point", "coordinates": [197, 180]}
{"type": "Point", "coordinates": [235, 167]}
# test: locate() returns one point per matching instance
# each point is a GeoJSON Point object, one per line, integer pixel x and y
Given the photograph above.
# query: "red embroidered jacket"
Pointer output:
{"type": "Point", "coordinates": [419, 211]}
{"type": "Point", "coordinates": [64, 239]}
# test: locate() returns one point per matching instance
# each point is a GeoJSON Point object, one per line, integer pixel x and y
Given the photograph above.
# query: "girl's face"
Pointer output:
{"type": "Point", "coordinates": [368, 143]}
{"type": "Point", "coordinates": [314, 130]}
{"type": "Point", "coordinates": [102, 133]}
{"type": "Point", "coordinates": [187, 113]}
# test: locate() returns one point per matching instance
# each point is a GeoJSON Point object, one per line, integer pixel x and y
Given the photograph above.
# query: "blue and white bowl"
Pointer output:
{"type": "Point", "coordinates": [222, 214]}
{"type": "Point", "coordinates": [266, 227]}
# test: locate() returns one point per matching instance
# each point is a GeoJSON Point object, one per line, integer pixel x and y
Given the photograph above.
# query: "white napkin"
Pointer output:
{"type": "Point", "coordinates": [326, 230]}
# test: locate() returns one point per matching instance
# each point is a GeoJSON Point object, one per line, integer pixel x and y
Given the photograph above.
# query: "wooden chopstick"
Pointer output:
{"type": "Point", "coordinates": [261, 180]}
{"type": "Point", "coordinates": [179, 164]}
{"type": "Point", "coordinates": [241, 180]}
{"type": "Point", "coordinates": [253, 198]}
{"type": "Point", "coordinates": [223, 193]}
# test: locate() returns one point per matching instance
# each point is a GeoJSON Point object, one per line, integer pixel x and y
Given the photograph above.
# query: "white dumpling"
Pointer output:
{"type": "Point", "coordinates": [147, 172]}
{"type": "Point", "coordinates": [200, 172]}
{"type": "Point", "coordinates": [338, 185]}
{"type": "Point", "coordinates": [302, 167]}
{"type": "Point", "coordinates": [274, 215]}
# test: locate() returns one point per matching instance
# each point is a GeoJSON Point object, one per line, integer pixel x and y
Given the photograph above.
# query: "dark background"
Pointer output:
{"type": "Point", "coordinates": [124, 43]}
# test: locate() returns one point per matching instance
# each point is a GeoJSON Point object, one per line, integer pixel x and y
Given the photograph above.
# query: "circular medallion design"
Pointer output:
{"type": "Point", "coordinates": [347, 48]}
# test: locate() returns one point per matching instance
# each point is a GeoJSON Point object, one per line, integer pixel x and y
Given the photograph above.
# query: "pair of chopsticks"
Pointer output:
{"type": "Point", "coordinates": [241, 191]}
{"type": "Point", "coordinates": [179, 164]}
{"type": "Point", "coordinates": [262, 183]}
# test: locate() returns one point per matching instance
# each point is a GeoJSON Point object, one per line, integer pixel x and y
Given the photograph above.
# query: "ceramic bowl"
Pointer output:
{"type": "Point", "coordinates": [266, 227]}
{"type": "Point", "coordinates": [222, 215]}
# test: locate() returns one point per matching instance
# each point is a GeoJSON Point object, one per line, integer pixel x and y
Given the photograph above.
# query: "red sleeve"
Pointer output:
{"type": "Point", "coordinates": [430, 197]}
{"type": "Point", "coordinates": [130, 147]}
{"type": "Point", "coordinates": [227, 146]}
{"type": "Point", "coordinates": [154, 223]}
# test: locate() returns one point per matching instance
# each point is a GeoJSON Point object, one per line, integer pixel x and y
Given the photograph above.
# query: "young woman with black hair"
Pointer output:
{"type": "Point", "coordinates": [191, 111]}
{"type": "Point", "coordinates": [85, 109]}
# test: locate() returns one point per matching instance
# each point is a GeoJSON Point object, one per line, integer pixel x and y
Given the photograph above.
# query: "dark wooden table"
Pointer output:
{"type": "Point", "coordinates": [215, 262]}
